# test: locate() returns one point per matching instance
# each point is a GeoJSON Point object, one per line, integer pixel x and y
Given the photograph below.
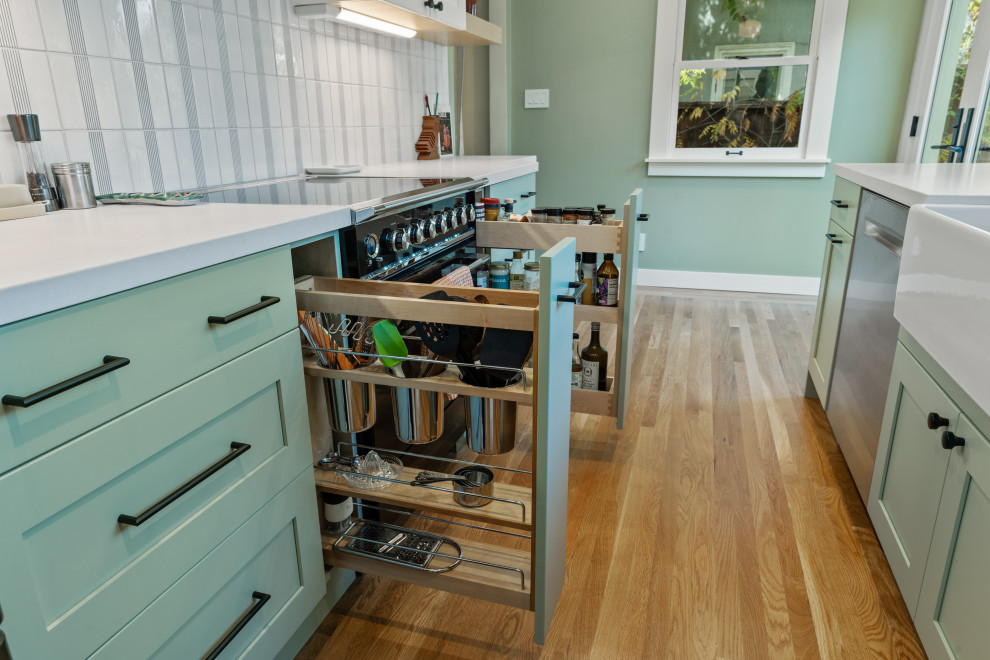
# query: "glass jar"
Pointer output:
{"type": "Point", "coordinates": [531, 278]}
{"type": "Point", "coordinates": [499, 276]}
{"type": "Point", "coordinates": [538, 215]}
{"type": "Point", "coordinates": [608, 216]}
{"type": "Point", "coordinates": [584, 216]}
{"type": "Point", "coordinates": [554, 215]}
{"type": "Point", "coordinates": [492, 208]}
{"type": "Point", "coordinates": [570, 216]}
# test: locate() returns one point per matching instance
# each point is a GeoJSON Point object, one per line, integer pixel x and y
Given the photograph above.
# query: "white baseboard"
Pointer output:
{"type": "Point", "coordinates": [684, 279]}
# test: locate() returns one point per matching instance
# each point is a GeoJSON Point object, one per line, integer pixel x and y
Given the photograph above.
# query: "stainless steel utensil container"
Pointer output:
{"type": "Point", "coordinates": [418, 415]}
{"type": "Point", "coordinates": [350, 404]}
{"type": "Point", "coordinates": [469, 495]}
{"type": "Point", "coordinates": [491, 424]}
{"type": "Point", "coordinates": [74, 185]}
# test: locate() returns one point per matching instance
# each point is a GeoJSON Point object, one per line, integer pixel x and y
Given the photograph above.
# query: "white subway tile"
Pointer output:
{"type": "Point", "coordinates": [40, 90]}
{"type": "Point", "coordinates": [67, 92]}
{"type": "Point", "coordinates": [127, 99]}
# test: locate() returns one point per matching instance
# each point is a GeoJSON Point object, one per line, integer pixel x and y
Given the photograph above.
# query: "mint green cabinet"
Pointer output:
{"type": "Point", "coordinates": [953, 616]}
{"type": "Point", "coordinates": [910, 471]}
{"type": "Point", "coordinates": [831, 294]}
{"type": "Point", "coordinates": [522, 189]}
{"type": "Point", "coordinates": [845, 204]}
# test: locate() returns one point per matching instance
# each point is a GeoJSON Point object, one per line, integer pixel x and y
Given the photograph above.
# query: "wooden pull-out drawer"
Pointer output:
{"type": "Point", "coordinates": [73, 573]}
{"type": "Point", "coordinates": [267, 576]}
{"type": "Point", "coordinates": [163, 333]}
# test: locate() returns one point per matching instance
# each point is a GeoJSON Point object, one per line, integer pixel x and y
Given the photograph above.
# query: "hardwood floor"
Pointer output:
{"type": "Point", "coordinates": [720, 523]}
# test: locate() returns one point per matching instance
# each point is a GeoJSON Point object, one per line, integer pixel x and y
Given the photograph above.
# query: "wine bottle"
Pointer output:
{"type": "Point", "coordinates": [577, 368]}
{"type": "Point", "coordinates": [608, 283]}
{"type": "Point", "coordinates": [594, 361]}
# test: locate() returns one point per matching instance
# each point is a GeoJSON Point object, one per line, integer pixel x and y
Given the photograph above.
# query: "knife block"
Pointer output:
{"type": "Point", "coordinates": [428, 145]}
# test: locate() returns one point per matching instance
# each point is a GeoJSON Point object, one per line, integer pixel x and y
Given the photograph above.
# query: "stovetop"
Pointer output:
{"type": "Point", "coordinates": [359, 193]}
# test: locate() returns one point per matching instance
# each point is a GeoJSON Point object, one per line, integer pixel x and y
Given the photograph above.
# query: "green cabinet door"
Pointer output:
{"type": "Point", "coordinates": [910, 471]}
{"type": "Point", "coordinates": [831, 294]}
{"type": "Point", "coordinates": [953, 618]}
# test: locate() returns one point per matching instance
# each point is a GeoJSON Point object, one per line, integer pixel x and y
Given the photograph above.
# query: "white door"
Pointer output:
{"type": "Point", "coordinates": [947, 103]}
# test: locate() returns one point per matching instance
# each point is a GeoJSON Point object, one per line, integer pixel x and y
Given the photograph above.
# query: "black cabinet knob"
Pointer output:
{"type": "Point", "coordinates": [936, 421]}
{"type": "Point", "coordinates": [439, 6]}
{"type": "Point", "coordinates": [429, 3]}
{"type": "Point", "coordinates": [950, 440]}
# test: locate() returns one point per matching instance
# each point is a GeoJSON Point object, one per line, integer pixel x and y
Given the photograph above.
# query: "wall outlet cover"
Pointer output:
{"type": "Point", "coordinates": [537, 98]}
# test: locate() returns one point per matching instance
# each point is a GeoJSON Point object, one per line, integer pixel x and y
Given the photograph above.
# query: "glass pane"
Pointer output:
{"type": "Point", "coordinates": [950, 78]}
{"type": "Point", "coordinates": [722, 29]}
{"type": "Point", "coordinates": [751, 107]}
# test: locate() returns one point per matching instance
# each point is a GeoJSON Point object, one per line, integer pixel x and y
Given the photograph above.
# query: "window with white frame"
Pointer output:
{"type": "Point", "coordinates": [744, 87]}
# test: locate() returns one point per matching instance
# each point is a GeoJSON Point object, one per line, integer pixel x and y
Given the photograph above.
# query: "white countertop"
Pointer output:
{"type": "Point", "coordinates": [69, 257]}
{"type": "Point", "coordinates": [495, 168]}
{"type": "Point", "coordinates": [922, 183]}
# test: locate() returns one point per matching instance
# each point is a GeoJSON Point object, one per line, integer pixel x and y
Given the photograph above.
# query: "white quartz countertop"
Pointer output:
{"type": "Point", "coordinates": [922, 183]}
{"type": "Point", "coordinates": [68, 257]}
{"type": "Point", "coordinates": [495, 168]}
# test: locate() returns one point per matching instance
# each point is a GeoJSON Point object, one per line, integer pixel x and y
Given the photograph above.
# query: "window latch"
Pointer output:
{"type": "Point", "coordinates": [733, 153]}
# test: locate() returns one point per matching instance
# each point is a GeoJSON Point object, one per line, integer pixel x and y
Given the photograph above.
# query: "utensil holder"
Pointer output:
{"type": "Point", "coordinates": [428, 145]}
{"type": "Point", "coordinates": [350, 405]}
{"type": "Point", "coordinates": [418, 415]}
{"type": "Point", "coordinates": [491, 425]}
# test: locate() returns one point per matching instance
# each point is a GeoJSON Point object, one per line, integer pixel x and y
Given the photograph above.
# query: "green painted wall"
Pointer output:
{"type": "Point", "coordinates": [597, 61]}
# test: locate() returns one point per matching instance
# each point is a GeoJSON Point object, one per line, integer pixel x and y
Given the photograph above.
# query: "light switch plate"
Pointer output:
{"type": "Point", "coordinates": [537, 98]}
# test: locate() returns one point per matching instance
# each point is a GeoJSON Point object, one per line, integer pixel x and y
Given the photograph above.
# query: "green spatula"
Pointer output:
{"type": "Point", "coordinates": [389, 342]}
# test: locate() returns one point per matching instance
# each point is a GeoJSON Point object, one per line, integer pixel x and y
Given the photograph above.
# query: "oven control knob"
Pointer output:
{"type": "Point", "coordinates": [426, 230]}
{"type": "Point", "coordinates": [441, 223]}
{"type": "Point", "coordinates": [415, 235]}
{"type": "Point", "coordinates": [462, 216]}
{"type": "Point", "coordinates": [371, 245]}
{"type": "Point", "coordinates": [396, 239]}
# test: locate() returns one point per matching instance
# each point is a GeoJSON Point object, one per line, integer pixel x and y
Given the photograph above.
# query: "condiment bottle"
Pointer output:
{"type": "Point", "coordinates": [594, 361]}
{"type": "Point", "coordinates": [577, 369]}
{"type": "Point", "coordinates": [517, 272]}
{"type": "Point", "coordinates": [608, 283]}
{"type": "Point", "coordinates": [491, 208]}
{"type": "Point", "coordinates": [608, 216]}
{"type": "Point", "coordinates": [507, 207]}
{"type": "Point", "coordinates": [500, 276]}
{"type": "Point", "coordinates": [27, 134]}
{"type": "Point", "coordinates": [554, 215]}
{"type": "Point", "coordinates": [570, 216]}
{"type": "Point", "coordinates": [584, 216]}
{"type": "Point", "coordinates": [531, 276]}
{"type": "Point", "coordinates": [588, 263]}
{"type": "Point", "coordinates": [481, 277]}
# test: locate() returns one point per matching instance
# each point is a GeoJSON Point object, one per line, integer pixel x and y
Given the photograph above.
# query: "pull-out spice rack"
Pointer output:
{"type": "Point", "coordinates": [621, 240]}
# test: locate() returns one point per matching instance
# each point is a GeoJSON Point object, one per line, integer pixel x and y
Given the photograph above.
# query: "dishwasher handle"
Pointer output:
{"type": "Point", "coordinates": [884, 237]}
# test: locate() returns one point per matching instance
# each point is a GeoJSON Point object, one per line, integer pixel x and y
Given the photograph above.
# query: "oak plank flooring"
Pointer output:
{"type": "Point", "coordinates": [722, 522]}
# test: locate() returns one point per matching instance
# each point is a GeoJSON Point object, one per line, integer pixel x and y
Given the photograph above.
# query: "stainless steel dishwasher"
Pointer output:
{"type": "Point", "coordinates": [867, 336]}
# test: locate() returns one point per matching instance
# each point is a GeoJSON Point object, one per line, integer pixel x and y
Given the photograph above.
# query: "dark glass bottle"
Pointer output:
{"type": "Point", "coordinates": [594, 361]}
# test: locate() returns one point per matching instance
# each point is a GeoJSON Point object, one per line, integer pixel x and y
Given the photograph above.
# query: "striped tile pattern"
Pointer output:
{"type": "Point", "coordinates": [176, 94]}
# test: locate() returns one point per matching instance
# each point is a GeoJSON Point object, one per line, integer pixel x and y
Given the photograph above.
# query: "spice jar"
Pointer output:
{"type": "Point", "coordinates": [570, 216]}
{"type": "Point", "coordinates": [531, 280]}
{"type": "Point", "coordinates": [608, 216]}
{"type": "Point", "coordinates": [492, 208]}
{"type": "Point", "coordinates": [500, 276]}
{"type": "Point", "coordinates": [554, 215]}
{"type": "Point", "coordinates": [538, 215]}
{"type": "Point", "coordinates": [481, 278]}
{"type": "Point", "coordinates": [584, 216]}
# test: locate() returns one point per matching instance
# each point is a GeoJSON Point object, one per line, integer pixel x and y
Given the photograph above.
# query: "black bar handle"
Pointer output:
{"type": "Point", "coordinates": [237, 448]}
{"type": "Point", "coordinates": [733, 153]}
{"type": "Point", "coordinates": [838, 203]}
{"type": "Point", "coordinates": [833, 240]}
{"type": "Point", "coordinates": [579, 289]}
{"type": "Point", "coordinates": [266, 301]}
{"type": "Point", "coordinates": [244, 620]}
{"type": "Point", "coordinates": [110, 363]}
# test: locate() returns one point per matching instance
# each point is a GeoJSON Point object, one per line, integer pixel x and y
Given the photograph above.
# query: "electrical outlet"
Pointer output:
{"type": "Point", "coordinates": [537, 98]}
{"type": "Point", "coordinates": [642, 242]}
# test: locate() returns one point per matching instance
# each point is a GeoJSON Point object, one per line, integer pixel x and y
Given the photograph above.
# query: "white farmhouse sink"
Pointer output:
{"type": "Point", "coordinates": [943, 291]}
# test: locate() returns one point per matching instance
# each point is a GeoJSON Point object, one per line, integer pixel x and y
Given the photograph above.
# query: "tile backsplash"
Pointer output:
{"type": "Point", "coordinates": [167, 95]}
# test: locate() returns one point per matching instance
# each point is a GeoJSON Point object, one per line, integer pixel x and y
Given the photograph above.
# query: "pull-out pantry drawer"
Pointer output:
{"type": "Point", "coordinates": [267, 576]}
{"type": "Point", "coordinates": [67, 372]}
{"type": "Point", "coordinates": [94, 531]}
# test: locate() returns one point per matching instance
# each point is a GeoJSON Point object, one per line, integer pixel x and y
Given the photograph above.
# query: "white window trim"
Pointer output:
{"type": "Point", "coordinates": [808, 160]}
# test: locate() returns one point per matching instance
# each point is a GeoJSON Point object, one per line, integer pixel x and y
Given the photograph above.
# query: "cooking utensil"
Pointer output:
{"type": "Point", "coordinates": [427, 477]}
{"type": "Point", "coordinates": [440, 338]}
{"type": "Point", "coordinates": [389, 343]}
{"type": "Point", "coordinates": [480, 482]}
{"type": "Point", "coordinates": [504, 348]}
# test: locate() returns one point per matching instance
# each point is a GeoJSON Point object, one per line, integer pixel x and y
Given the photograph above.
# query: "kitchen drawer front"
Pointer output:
{"type": "Point", "coordinates": [161, 328]}
{"type": "Point", "coordinates": [828, 315]}
{"type": "Point", "coordinates": [522, 189]}
{"type": "Point", "coordinates": [72, 575]}
{"type": "Point", "coordinates": [276, 553]}
{"type": "Point", "coordinates": [845, 204]}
